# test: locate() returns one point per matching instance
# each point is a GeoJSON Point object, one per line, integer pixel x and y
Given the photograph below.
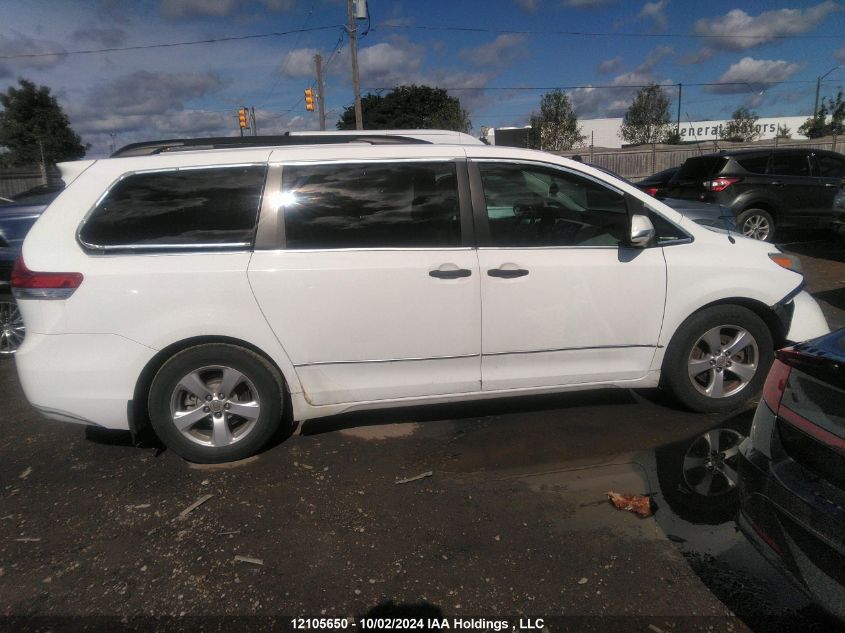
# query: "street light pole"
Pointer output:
{"type": "Point", "coordinates": [818, 87]}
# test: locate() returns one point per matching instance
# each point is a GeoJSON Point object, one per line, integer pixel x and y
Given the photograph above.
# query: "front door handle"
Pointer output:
{"type": "Point", "coordinates": [451, 274]}
{"type": "Point", "coordinates": [507, 273]}
{"type": "Point", "coordinates": [830, 184]}
{"type": "Point", "coordinates": [776, 183]}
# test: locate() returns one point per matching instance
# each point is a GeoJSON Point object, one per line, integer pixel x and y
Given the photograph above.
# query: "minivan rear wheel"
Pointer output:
{"type": "Point", "coordinates": [12, 329]}
{"type": "Point", "coordinates": [757, 224]}
{"type": "Point", "coordinates": [216, 403]}
{"type": "Point", "coordinates": [718, 358]}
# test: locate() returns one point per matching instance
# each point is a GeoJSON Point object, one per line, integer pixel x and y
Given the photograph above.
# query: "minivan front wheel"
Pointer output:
{"type": "Point", "coordinates": [216, 403]}
{"type": "Point", "coordinates": [718, 358]}
{"type": "Point", "coordinates": [756, 224]}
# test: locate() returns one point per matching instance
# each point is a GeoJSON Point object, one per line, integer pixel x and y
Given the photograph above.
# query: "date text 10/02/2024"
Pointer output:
{"type": "Point", "coordinates": [411, 624]}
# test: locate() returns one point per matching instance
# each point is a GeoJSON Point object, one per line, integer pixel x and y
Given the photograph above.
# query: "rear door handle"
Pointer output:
{"type": "Point", "coordinates": [830, 184]}
{"type": "Point", "coordinates": [507, 273]}
{"type": "Point", "coordinates": [776, 183]}
{"type": "Point", "coordinates": [450, 274]}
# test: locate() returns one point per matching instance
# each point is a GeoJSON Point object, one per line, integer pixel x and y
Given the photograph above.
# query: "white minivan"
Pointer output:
{"type": "Point", "coordinates": [216, 293]}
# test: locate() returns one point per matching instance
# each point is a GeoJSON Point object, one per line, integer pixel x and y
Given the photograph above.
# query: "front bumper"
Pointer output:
{"type": "Point", "coordinates": [807, 319]}
{"type": "Point", "coordinates": [81, 378]}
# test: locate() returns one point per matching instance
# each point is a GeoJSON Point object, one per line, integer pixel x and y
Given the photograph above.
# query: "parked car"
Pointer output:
{"type": "Point", "coordinates": [765, 189]}
{"type": "Point", "coordinates": [704, 213]}
{"type": "Point", "coordinates": [656, 184]}
{"type": "Point", "coordinates": [837, 225]}
{"type": "Point", "coordinates": [792, 469]}
{"type": "Point", "coordinates": [215, 292]}
{"type": "Point", "coordinates": [16, 218]}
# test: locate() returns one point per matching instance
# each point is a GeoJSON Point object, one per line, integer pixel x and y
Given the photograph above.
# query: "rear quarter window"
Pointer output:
{"type": "Point", "coordinates": [190, 208]}
{"type": "Point", "coordinates": [700, 168]}
{"type": "Point", "coordinates": [754, 164]}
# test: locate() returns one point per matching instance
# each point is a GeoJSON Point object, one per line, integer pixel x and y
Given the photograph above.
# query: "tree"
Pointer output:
{"type": "Point", "coordinates": [817, 126]}
{"type": "Point", "coordinates": [409, 107]}
{"type": "Point", "coordinates": [784, 131]}
{"type": "Point", "coordinates": [34, 128]}
{"type": "Point", "coordinates": [673, 137]}
{"type": "Point", "coordinates": [647, 120]}
{"type": "Point", "coordinates": [742, 128]}
{"type": "Point", "coordinates": [556, 127]}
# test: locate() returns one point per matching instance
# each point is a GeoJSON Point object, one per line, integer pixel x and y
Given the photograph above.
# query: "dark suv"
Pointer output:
{"type": "Point", "coordinates": [765, 189]}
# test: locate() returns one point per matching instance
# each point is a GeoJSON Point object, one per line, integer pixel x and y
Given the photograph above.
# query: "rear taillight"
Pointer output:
{"type": "Point", "coordinates": [720, 184]}
{"type": "Point", "coordinates": [776, 384]}
{"type": "Point", "coordinates": [652, 191]}
{"type": "Point", "coordinates": [29, 284]}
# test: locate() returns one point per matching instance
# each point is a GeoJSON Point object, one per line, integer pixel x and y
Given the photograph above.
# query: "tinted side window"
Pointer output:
{"type": "Point", "coordinates": [400, 205]}
{"type": "Point", "coordinates": [213, 206]}
{"type": "Point", "coordinates": [790, 165]}
{"type": "Point", "coordinates": [536, 206]}
{"type": "Point", "coordinates": [830, 167]}
{"type": "Point", "coordinates": [754, 164]}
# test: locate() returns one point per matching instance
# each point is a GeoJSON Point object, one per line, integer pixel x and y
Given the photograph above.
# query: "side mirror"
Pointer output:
{"type": "Point", "coordinates": [642, 231]}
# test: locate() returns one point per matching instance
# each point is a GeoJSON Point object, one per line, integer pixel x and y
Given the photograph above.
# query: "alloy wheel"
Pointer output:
{"type": "Point", "coordinates": [756, 227]}
{"type": "Point", "coordinates": [215, 406]}
{"type": "Point", "coordinates": [12, 329]}
{"type": "Point", "coordinates": [723, 361]}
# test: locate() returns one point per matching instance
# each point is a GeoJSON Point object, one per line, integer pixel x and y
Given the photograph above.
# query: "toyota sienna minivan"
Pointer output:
{"type": "Point", "coordinates": [217, 293]}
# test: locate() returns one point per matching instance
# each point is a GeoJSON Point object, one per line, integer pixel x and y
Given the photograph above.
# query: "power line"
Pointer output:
{"type": "Point", "coordinates": [467, 29]}
{"type": "Point", "coordinates": [620, 87]}
{"type": "Point", "coordinates": [215, 40]}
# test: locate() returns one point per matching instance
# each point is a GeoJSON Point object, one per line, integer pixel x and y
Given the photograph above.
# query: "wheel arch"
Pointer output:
{"type": "Point", "coordinates": [770, 207]}
{"type": "Point", "coordinates": [138, 414]}
{"type": "Point", "coordinates": [777, 327]}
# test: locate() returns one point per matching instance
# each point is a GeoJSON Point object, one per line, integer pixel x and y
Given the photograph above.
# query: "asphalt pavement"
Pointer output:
{"type": "Point", "coordinates": [474, 512]}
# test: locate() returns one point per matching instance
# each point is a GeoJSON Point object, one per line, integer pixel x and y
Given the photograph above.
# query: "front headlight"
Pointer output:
{"type": "Point", "coordinates": [785, 260]}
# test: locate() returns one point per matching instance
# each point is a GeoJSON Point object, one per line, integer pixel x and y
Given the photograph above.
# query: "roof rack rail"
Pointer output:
{"type": "Point", "coordinates": [149, 148]}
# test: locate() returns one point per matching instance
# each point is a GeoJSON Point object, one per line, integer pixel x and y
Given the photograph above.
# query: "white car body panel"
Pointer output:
{"type": "Point", "coordinates": [367, 329]}
{"type": "Point", "coordinates": [375, 320]}
{"type": "Point", "coordinates": [579, 315]}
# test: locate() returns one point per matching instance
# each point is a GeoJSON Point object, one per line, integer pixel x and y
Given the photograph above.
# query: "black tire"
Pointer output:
{"type": "Point", "coordinates": [751, 223]}
{"type": "Point", "coordinates": [260, 394]}
{"type": "Point", "coordinates": [688, 350]}
{"type": "Point", "coordinates": [681, 474]}
{"type": "Point", "coordinates": [11, 327]}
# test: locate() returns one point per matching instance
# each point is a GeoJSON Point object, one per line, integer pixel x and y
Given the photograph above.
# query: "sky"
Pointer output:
{"type": "Point", "coordinates": [497, 56]}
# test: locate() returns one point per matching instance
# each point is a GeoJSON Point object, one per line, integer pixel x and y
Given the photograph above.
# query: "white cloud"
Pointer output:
{"type": "Point", "coordinates": [610, 66]}
{"type": "Point", "coordinates": [502, 51]}
{"type": "Point", "coordinates": [299, 63]}
{"type": "Point", "coordinates": [753, 75]}
{"type": "Point", "coordinates": [840, 55]}
{"type": "Point", "coordinates": [528, 5]}
{"type": "Point", "coordinates": [763, 28]}
{"type": "Point", "coordinates": [218, 8]}
{"type": "Point", "coordinates": [147, 93]}
{"type": "Point", "coordinates": [612, 101]}
{"type": "Point", "coordinates": [586, 4]}
{"type": "Point", "coordinates": [108, 38]}
{"type": "Point", "coordinates": [654, 11]}
{"type": "Point", "coordinates": [654, 57]}
{"type": "Point", "coordinates": [24, 45]}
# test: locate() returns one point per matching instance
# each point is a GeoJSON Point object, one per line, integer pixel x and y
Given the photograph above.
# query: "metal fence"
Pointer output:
{"type": "Point", "coordinates": [644, 160]}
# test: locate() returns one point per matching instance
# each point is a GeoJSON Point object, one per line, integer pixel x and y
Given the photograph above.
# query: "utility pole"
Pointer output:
{"type": "Point", "coordinates": [678, 126]}
{"type": "Point", "coordinates": [818, 86]}
{"type": "Point", "coordinates": [321, 103]}
{"type": "Point", "coordinates": [252, 118]}
{"type": "Point", "coordinates": [353, 47]}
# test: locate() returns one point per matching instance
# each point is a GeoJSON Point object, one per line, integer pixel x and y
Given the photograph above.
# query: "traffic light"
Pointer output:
{"type": "Point", "coordinates": [243, 119]}
{"type": "Point", "coordinates": [309, 99]}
